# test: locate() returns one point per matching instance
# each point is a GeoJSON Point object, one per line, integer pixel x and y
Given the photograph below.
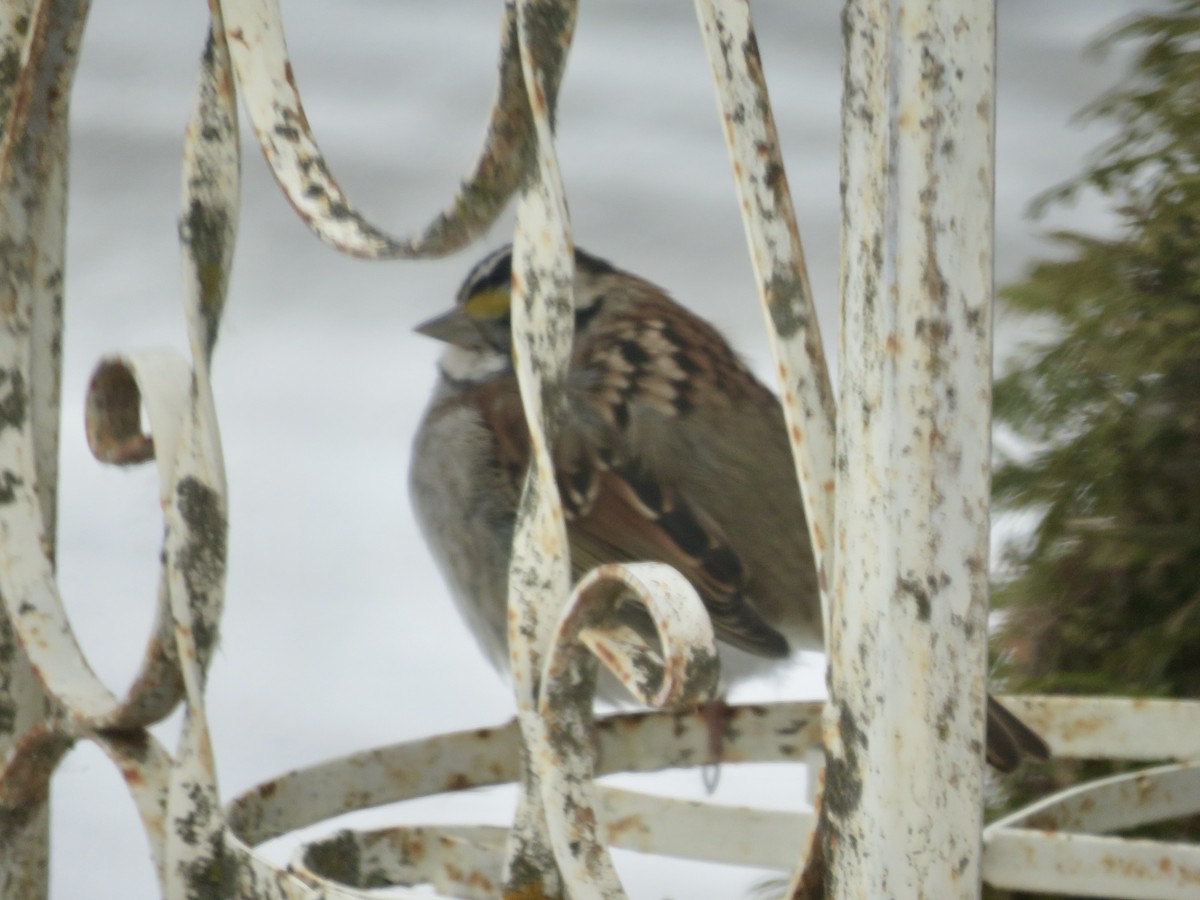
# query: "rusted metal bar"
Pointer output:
{"type": "Point", "coordinates": [684, 675]}
{"type": "Point", "coordinates": [633, 742]}
{"type": "Point", "coordinates": [778, 256]}
{"type": "Point", "coordinates": [196, 858]}
{"type": "Point", "coordinates": [911, 502]}
{"type": "Point", "coordinates": [185, 445]}
{"type": "Point", "coordinates": [904, 789]}
{"type": "Point", "coordinates": [272, 99]}
{"type": "Point", "coordinates": [471, 759]}
{"type": "Point", "coordinates": [651, 741]}
{"type": "Point", "coordinates": [40, 44]}
{"type": "Point", "coordinates": [1057, 844]}
{"type": "Point", "coordinates": [539, 578]}
{"type": "Point", "coordinates": [769, 219]}
{"type": "Point", "coordinates": [1113, 727]}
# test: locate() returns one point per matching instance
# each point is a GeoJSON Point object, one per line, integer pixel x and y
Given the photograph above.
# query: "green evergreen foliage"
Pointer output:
{"type": "Point", "coordinates": [1107, 594]}
{"type": "Point", "coordinates": [1104, 596]}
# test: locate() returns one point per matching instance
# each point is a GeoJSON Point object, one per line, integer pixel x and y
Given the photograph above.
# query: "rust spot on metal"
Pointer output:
{"type": "Point", "coordinates": [1075, 728]}
{"type": "Point", "coordinates": [25, 779]}
{"type": "Point", "coordinates": [626, 825]}
{"type": "Point", "coordinates": [415, 848]}
{"type": "Point", "coordinates": [607, 657]}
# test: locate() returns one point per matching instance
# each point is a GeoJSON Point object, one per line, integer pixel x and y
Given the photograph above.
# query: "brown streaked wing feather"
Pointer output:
{"type": "Point", "coordinates": [652, 357]}
{"type": "Point", "coordinates": [658, 356]}
{"type": "Point", "coordinates": [499, 405]}
{"type": "Point", "coordinates": [576, 463]}
{"type": "Point", "coordinates": [630, 521]}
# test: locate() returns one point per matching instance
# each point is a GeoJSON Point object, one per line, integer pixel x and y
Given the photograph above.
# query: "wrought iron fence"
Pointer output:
{"type": "Point", "coordinates": [896, 494]}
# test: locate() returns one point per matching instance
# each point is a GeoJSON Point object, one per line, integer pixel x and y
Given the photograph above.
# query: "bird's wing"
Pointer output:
{"type": "Point", "coordinates": [646, 364]}
{"type": "Point", "coordinates": [615, 513]}
{"type": "Point", "coordinates": [634, 519]}
{"type": "Point", "coordinates": [650, 369]}
{"type": "Point", "coordinates": [1009, 740]}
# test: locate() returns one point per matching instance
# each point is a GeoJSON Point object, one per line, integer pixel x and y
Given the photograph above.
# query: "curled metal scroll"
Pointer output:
{"type": "Point", "coordinates": [565, 822]}
{"type": "Point", "coordinates": [255, 32]}
{"type": "Point", "coordinates": [183, 441]}
{"type": "Point", "coordinates": [120, 385]}
{"type": "Point", "coordinates": [682, 674]}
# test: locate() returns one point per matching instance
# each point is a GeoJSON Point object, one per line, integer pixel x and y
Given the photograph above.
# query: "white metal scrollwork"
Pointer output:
{"type": "Point", "coordinates": [917, 161]}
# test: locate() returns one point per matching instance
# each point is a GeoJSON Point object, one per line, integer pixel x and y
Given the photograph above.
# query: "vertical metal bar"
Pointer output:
{"type": "Point", "coordinates": [543, 324]}
{"type": "Point", "coordinates": [40, 46]}
{"type": "Point", "coordinates": [905, 782]}
{"type": "Point", "coordinates": [778, 257]}
{"type": "Point", "coordinates": [196, 859]}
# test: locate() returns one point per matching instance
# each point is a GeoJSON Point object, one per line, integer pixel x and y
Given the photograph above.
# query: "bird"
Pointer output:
{"type": "Point", "coordinates": [671, 451]}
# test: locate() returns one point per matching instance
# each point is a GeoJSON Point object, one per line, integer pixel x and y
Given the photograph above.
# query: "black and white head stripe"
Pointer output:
{"type": "Point", "coordinates": [494, 271]}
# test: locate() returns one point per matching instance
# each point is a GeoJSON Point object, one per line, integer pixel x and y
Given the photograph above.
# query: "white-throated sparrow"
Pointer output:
{"type": "Point", "coordinates": [672, 451]}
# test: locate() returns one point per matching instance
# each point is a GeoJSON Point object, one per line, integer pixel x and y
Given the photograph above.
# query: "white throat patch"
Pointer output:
{"type": "Point", "coordinates": [458, 364]}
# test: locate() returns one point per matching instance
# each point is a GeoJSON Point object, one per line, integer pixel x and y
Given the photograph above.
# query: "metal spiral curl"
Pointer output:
{"type": "Point", "coordinates": [682, 673]}
{"type": "Point", "coordinates": [255, 33]}
{"type": "Point", "coordinates": [51, 699]}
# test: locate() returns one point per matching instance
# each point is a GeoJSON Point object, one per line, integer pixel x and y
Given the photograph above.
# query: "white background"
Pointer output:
{"type": "Point", "coordinates": [338, 634]}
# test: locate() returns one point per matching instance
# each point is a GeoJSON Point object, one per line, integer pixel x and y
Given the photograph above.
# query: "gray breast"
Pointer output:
{"type": "Point", "coordinates": [465, 508]}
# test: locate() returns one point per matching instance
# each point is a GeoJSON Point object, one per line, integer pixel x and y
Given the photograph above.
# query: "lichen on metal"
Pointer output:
{"type": "Point", "coordinates": [684, 676]}
{"type": "Point", "coordinates": [269, 90]}
{"type": "Point", "coordinates": [908, 637]}
{"type": "Point", "coordinates": [39, 46]}
{"type": "Point", "coordinates": [773, 236]}
{"type": "Point", "coordinates": [782, 279]}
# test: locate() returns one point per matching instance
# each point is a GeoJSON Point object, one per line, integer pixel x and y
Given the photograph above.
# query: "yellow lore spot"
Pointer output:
{"type": "Point", "coordinates": [489, 304]}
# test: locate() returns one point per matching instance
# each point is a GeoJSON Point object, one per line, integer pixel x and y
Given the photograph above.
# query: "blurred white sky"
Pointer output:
{"type": "Point", "coordinates": [338, 634]}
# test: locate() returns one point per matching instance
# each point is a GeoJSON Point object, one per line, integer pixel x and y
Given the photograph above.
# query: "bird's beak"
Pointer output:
{"type": "Point", "coordinates": [453, 327]}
